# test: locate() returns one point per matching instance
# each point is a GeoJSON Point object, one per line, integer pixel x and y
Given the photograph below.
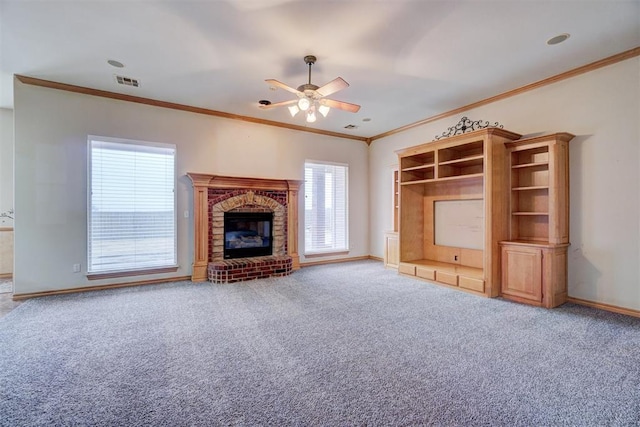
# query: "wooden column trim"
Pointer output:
{"type": "Point", "coordinates": [292, 222]}
{"type": "Point", "coordinates": [201, 232]}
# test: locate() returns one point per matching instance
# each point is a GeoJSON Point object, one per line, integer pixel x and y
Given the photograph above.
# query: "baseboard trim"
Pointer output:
{"type": "Point", "coordinates": [20, 297]}
{"type": "Point", "coordinates": [336, 261]}
{"type": "Point", "coordinates": [6, 276]}
{"type": "Point", "coordinates": [606, 307]}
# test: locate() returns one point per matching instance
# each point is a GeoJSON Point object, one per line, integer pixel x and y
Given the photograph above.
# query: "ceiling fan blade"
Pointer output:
{"type": "Point", "coordinates": [278, 104]}
{"type": "Point", "coordinates": [281, 85]}
{"type": "Point", "coordinates": [332, 87]}
{"type": "Point", "coordinates": [353, 108]}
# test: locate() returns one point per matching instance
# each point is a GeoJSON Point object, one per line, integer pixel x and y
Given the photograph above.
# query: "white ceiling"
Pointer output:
{"type": "Point", "coordinates": [405, 60]}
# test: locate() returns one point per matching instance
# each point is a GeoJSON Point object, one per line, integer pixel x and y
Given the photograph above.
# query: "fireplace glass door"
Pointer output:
{"type": "Point", "coordinates": [247, 234]}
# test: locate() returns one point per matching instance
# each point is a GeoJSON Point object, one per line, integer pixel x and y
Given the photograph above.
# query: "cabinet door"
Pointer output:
{"type": "Point", "coordinates": [522, 272]}
{"type": "Point", "coordinates": [391, 250]}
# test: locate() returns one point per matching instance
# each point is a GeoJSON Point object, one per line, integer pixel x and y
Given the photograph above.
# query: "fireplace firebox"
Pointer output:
{"type": "Point", "coordinates": [247, 234]}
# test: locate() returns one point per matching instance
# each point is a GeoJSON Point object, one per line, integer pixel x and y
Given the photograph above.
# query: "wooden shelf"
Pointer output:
{"type": "Point", "coordinates": [467, 166]}
{"type": "Point", "coordinates": [536, 187]}
{"type": "Point", "coordinates": [462, 151]}
{"type": "Point", "coordinates": [531, 242]}
{"type": "Point", "coordinates": [531, 165]}
{"type": "Point", "coordinates": [420, 181]}
{"type": "Point", "coordinates": [418, 160]}
{"type": "Point", "coordinates": [530, 213]}
{"type": "Point", "coordinates": [415, 168]}
{"type": "Point", "coordinates": [461, 177]}
{"type": "Point", "coordinates": [444, 179]}
{"type": "Point", "coordinates": [418, 174]}
{"type": "Point", "coordinates": [467, 161]}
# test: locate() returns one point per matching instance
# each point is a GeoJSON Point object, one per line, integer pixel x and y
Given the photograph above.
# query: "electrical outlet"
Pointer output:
{"type": "Point", "coordinates": [186, 214]}
{"type": "Point", "coordinates": [76, 268]}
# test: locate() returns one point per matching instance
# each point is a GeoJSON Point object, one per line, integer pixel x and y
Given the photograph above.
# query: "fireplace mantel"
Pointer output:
{"type": "Point", "coordinates": [201, 185]}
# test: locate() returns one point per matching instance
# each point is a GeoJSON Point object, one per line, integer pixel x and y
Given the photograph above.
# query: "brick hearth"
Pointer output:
{"type": "Point", "coordinates": [241, 269]}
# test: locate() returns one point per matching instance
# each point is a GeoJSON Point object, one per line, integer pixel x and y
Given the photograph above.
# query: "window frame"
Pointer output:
{"type": "Point", "coordinates": [315, 252]}
{"type": "Point", "coordinates": [93, 274]}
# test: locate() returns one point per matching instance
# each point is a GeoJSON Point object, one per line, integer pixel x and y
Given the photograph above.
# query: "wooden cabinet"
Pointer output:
{"type": "Point", "coordinates": [534, 258]}
{"type": "Point", "coordinates": [534, 274]}
{"type": "Point", "coordinates": [468, 167]}
{"type": "Point", "coordinates": [522, 272]}
{"type": "Point", "coordinates": [391, 254]}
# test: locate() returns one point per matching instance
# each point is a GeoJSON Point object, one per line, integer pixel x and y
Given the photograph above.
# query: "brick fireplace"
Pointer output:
{"type": "Point", "coordinates": [215, 195]}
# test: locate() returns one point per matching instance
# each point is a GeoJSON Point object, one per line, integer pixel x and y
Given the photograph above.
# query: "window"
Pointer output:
{"type": "Point", "coordinates": [325, 208]}
{"type": "Point", "coordinates": [132, 222]}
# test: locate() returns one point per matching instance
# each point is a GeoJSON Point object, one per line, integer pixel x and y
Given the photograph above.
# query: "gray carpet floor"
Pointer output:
{"type": "Point", "coordinates": [343, 344]}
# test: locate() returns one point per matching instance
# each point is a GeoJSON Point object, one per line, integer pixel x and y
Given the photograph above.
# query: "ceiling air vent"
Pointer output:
{"type": "Point", "coordinates": [351, 127]}
{"type": "Point", "coordinates": [127, 81]}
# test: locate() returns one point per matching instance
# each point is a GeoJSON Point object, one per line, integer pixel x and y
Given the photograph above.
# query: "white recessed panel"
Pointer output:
{"type": "Point", "coordinates": [459, 223]}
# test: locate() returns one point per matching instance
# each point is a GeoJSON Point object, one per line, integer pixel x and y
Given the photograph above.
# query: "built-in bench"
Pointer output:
{"type": "Point", "coordinates": [241, 269]}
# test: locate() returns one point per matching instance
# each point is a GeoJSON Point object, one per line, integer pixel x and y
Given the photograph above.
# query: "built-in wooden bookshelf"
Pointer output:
{"type": "Point", "coordinates": [517, 194]}
{"type": "Point", "coordinates": [534, 258]}
{"type": "Point", "coordinates": [396, 199]}
{"type": "Point", "coordinates": [468, 167]}
{"type": "Point", "coordinates": [391, 254]}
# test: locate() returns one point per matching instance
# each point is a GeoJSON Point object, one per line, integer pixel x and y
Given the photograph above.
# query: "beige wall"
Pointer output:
{"type": "Point", "coordinates": [602, 108]}
{"type": "Point", "coordinates": [51, 129]}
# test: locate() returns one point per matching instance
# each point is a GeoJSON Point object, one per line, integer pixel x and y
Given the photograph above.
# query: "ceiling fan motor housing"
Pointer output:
{"type": "Point", "coordinates": [308, 89]}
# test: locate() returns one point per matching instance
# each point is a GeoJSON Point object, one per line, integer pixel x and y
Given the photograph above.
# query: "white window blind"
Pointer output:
{"type": "Point", "coordinates": [325, 208]}
{"type": "Point", "coordinates": [132, 222]}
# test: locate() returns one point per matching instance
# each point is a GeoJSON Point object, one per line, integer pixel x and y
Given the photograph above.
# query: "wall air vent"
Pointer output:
{"type": "Point", "coordinates": [127, 81]}
{"type": "Point", "coordinates": [351, 127]}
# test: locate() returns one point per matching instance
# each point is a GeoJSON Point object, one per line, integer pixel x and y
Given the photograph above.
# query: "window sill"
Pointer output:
{"type": "Point", "coordinates": [324, 254]}
{"type": "Point", "coordinates": [97, 276]}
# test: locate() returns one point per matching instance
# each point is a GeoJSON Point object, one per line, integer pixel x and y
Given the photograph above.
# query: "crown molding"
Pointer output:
{"type": "Point", "coordinates": [631, 53]}
{"type": "Point", "coordinates": [181, 107]}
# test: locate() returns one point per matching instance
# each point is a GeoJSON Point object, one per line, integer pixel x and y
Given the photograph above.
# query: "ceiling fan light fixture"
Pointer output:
{"type": "Point", "coordinates": [304, 104]}
{"type": "Point", "coordinates": [293, 109]}
{"type": "Point", "coordinates": [311, 116]}
{"type": "Point", "coordinates": [324, 110]}
{"type": "Point", "coordinates": [311, 98]}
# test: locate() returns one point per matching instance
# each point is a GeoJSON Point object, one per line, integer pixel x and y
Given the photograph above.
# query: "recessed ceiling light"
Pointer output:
{"type": "Point", "coordinates": [558, 39]}
{"type": "Point", "coordinates": [264, 102]}
{"type": "Point", "coordinates": [115, 63]}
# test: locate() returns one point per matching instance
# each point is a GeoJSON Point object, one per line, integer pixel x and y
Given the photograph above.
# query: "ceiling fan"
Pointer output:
{"type": "Point", "coordinates": [311, 98]}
